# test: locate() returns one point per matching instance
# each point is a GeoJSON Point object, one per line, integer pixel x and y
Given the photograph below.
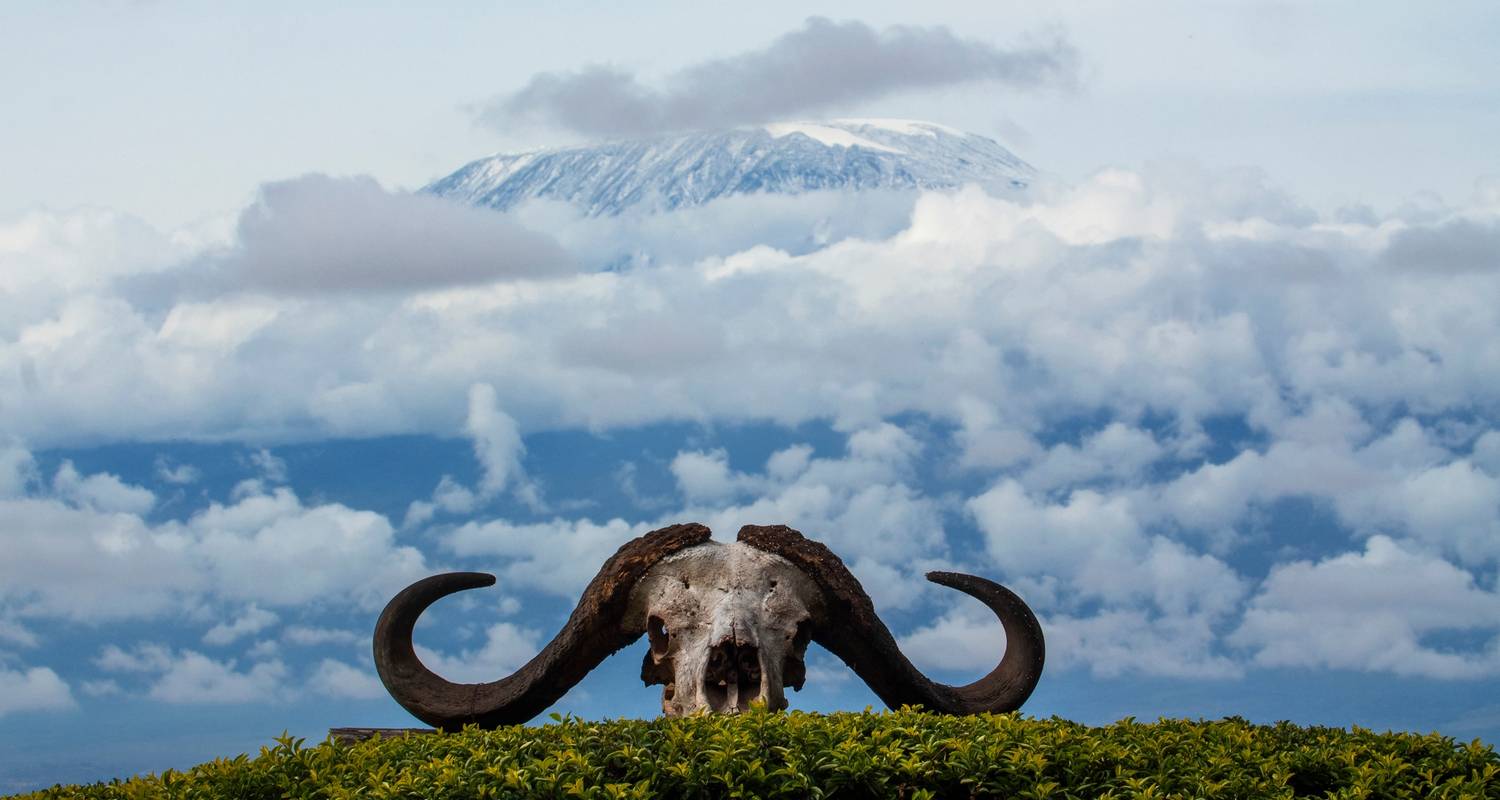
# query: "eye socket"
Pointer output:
{"type": "Point", "coordinates": [801, 637]}
{"type": "Point", "coordinates": [656, 632]}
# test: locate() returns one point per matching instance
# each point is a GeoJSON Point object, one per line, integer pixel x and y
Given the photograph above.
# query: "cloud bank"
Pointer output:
{"type": "Point", "coordinates": [823, 65]}
{"type": "Point", "coordinates": [1116, 384]}
{"type": "Point", "coordinates": [1188, 295]}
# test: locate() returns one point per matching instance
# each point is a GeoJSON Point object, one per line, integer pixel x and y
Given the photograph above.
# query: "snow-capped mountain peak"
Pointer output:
{"type": "Point", "coordinates": [693, 169]}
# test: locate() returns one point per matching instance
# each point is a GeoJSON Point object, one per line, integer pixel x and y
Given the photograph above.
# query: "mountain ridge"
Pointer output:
{"type": "Point", "coordinates": [692, 169]}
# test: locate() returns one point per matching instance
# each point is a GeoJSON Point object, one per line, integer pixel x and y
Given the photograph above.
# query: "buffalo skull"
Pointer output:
{"type": "Point", "coordinates": [728, 625]}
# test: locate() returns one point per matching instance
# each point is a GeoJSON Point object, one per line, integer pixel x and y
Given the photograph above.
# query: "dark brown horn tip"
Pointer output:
{"type": "Point", "coordinates": [1012, 681]}
{"type": "Point", "coordinates": [953, 580]}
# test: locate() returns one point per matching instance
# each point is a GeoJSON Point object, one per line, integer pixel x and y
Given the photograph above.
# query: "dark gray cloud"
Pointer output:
{"type": "Point", "coordinates": [823, 65]}
{"type": "Point", "coordinates": [319, 234]}
{"type": "Point", "coordinates": [1459, 245]}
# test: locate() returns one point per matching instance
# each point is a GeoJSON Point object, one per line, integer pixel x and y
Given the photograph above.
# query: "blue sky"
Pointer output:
{"type": "Point", "coordinates": [1217, 397]}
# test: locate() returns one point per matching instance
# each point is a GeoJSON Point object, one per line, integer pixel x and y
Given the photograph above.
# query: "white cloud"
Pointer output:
{"type": "Point", "coordinates": [825, 670]}
{"type": "Point", "coordinates": [16, 633]}
{"type": "Point", "coordinates": [706, 477]}
{"type": "Point", "coordinates": [557, 557]}
{"type": "Point", "coordinates": [101, 688]}
{"type": "Point", "coordinates": [270, 467]}
{"type": "Point", "coordinates": [1454, 506]}
{"type": "Point", "coordinates": [1025, 536]}
{"type": "Point", "coordinates": [1110, 643]}
{"type": "Point", "coordinates": [146, 657]}
{"type": "Point", "coordinates": [34, 689]}
{"type": "Point", "coordinates": [506, 647]}
{"type": "Point", "coordinates": [1118, 452]}
{"type": "Point", "coordinates": [859, 505]}
{"type": "Point", "coordinates": [1486, 454]}
{"type": "Point", "coordinates": [498, 448]}
{"type": "Point", "coordinates": [47, 257]}
{"type": "Point", "coordinates": [1370, 611]}
{"type": "Point", "coordinates": [311, 636]}
{"type": "Point", "coordinates": [1157, 600]}
{"type": "Point", "coordinates": [176, 474]}
{"type": "Point", "coordinates": [641, 237]}
{"type": "Point", "coordinates": [497, 443]}
{"type": "Point", "coordinates": [94, 558]}
{"type": "Point", "coordinates": [100, 491]}
{"type": "Point", "coordinates": [449, 496]}
{"type": "Point", "coordinates": [253, 621]}
{"type": "Point", "coordinates": [192, 677]}
{"type": "Point", "coordinates": [337, 679]}
{"type": "Point", "coordinates": [327, 552]}
{"type": "Point", "coordinates": [17, 470]}
{"type": "Point", "coordinates": [187, 676]}
{"type": "Point", "coordinates": [1123, 641]}
{"type": "Point", "coordinates": [788, 463]}
{"type": "Point", "coordinates": [1401, 481]}
{"type": "Point", "coordinates": [263, 650]}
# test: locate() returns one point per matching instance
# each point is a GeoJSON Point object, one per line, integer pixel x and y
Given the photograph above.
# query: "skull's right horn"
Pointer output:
{"type": "Point", "coordinates": [849, 629]}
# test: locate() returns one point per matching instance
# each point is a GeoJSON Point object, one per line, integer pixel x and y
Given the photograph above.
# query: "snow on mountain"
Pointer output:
{"type": "Point", "coordinates": [688, 170]}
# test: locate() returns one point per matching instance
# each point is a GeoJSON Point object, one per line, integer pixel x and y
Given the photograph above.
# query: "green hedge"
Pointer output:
{"type": "Point", "coordinates": [894, 754]}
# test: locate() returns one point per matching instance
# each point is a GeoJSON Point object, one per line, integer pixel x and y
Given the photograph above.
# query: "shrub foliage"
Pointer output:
{"type": "Point", "coordinates": [906, 754]}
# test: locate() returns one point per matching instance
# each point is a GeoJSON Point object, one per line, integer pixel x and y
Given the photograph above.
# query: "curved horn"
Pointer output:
{"type": "Point", "coordinates": [850, 630]}
{"type": "Point", "coordinates": [592, 633]}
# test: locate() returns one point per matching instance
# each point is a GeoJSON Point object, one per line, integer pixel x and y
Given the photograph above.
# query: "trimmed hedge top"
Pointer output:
{"type": "Point", "coordinates": [905, 754]}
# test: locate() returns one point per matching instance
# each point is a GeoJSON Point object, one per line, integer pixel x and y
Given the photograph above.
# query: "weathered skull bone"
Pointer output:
{"type": "Point", "coordinates": [728, 625]}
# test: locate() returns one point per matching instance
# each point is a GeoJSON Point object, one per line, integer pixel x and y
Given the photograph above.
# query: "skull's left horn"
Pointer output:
{"type": "Point", "coordinates": [594, 630]}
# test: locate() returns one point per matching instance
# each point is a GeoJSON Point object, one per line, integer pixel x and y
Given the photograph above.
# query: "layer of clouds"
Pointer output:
{"type": "Point", "coordinates": [1115, 596]}
{"type": "Point", "coordinates": [1181, 294]}
{"type": "Point", "coordinates": [1402, 481]}
{"type": "Point", "coordinates": [1372, 610]}
{"type": "Point", "coordinates": [190, 677]}
{"type": "Point", "coordinates": [640, 236]}
{"type": "Point", "coordinates": [82, 552]}
{"type": "Point", "coordinates": [1075, 353]}
{"type": "Point", "coordinates": [823, 65]}
{"type": "Point", "coordinates": [863, 504]}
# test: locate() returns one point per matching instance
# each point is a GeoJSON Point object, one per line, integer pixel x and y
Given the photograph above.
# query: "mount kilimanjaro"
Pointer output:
{"type": "Point", "coordinates": [690, 170]}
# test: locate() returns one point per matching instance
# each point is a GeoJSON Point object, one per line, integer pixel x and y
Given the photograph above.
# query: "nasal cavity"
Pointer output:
{"type": "Point", "coordinates": [733, 677]}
